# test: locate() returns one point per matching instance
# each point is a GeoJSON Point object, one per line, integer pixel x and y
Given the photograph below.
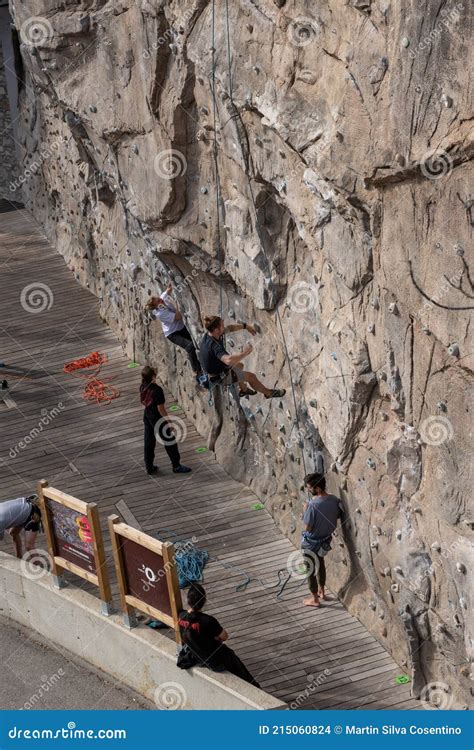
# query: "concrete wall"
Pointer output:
{"type": "Point", "coordinates": [9, 168]}
{"type": "Point", "coordinates": [141, 658]}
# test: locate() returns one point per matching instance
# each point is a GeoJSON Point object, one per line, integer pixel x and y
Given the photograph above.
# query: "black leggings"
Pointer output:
{"type": "Point", "coordinates": [227, 660]}
{"type": "Point", "coordinates": [183, 339]}
{"type": "Point", "coordinates": [150, 444]}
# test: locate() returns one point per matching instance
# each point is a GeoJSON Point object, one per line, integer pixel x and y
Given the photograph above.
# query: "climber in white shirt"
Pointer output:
{"type": "Point", "coordinates": [164, 309]}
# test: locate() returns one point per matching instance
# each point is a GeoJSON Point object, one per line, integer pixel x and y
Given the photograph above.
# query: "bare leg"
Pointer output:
{"type": "Point", "coordinates": [15, 534]}
{"type": "Point", "coordinates": [254, 382]}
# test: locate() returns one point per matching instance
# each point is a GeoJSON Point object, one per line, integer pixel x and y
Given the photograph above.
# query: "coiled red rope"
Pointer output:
{"type": "Point", "coordinates": [95, 389]}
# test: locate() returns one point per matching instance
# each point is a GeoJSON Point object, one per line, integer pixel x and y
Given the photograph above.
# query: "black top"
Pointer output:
{"type": "Point", "coordinates": [199, 632]}
{"type": "Point", "coordinates": [211, 352]}
{"type": "Point", "coordinates": [151, 397]}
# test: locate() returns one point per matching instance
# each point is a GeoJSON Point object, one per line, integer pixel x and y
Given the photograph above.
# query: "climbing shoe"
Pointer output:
{"type": "Point", "coordinates": [154, 470]}
{"type": "Point", "coordinates": [277, 393]}
{"type": "Point", "coordinates": [247, 392]}
{"type": "Point", "coordinates": [182, 469]}
{"type": "Point", "coordinates": [4, 385]}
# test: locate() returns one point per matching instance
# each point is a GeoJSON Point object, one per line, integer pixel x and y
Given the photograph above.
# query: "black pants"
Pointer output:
{"type": "Point", "coordinates": [150, 444]}
{"type": "Point", "coordinates": [227, 660]}
{"type": "Point", "coordinates": [314, 577]}
{"type": "Point", "coordinates": [183, 339]}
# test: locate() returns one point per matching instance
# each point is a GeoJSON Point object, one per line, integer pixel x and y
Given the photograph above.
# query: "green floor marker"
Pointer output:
{"type": "Point", "coordinates": [257, 506]}
{"type": "Point", "coordinates": [402, 679]}
{"type": "Point", "coordinates": [201, 449]}
{"type": "Point", "coordinates": [132, 365]}
{"type": "Point", "coordinates": [174, 407]}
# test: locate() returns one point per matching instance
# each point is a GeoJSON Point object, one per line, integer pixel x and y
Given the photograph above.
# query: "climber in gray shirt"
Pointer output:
{"type": "Point", "coordinates": [19, 514]}
{"type": "Point", "coordinates": [319, 524]}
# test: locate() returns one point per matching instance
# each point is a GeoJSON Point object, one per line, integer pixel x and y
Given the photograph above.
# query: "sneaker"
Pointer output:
{"type": "Point", "coordinates": [182, 469]}
{"type": "Point", "coordinates": [154, 470]}
{"type": "Point", "coordinates": [277, 393]}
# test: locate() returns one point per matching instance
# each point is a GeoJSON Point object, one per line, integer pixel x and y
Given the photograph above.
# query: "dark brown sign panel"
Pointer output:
{"type": "Point", "coordinates": [145, 575]}
{"type": "Point", "coordinates": [73, 535]}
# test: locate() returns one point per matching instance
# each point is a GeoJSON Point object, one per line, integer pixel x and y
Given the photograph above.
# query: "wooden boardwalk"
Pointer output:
{"type": "Point", "coordinates": [95, 453]}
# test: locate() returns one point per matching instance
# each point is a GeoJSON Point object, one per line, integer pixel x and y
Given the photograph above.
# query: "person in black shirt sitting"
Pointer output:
{"type": "Point", "coordinates": [205, 636]}
{"type": "Point", "coordinates": [156, 425]}
{"type": "Point", "coordinates": [226, 368]}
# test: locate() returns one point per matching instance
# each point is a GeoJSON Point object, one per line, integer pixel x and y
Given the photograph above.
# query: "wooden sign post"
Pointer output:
{"type": "Point", "coordinates": [147, 576]}
{"type": "Point", "coordinates": [74, 537]}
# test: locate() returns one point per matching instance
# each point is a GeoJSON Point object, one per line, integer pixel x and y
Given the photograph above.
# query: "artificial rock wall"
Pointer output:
{"type": "Point", "coordinates": [344, 152]}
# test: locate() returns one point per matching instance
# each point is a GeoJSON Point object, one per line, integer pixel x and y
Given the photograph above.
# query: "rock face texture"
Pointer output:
{"type": "Point", "coordinates": [322, 192]}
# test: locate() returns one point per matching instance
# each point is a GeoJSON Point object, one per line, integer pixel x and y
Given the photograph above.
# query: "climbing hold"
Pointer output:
{"type": "Point", "coordinates": [257, 506]}
{"type": "Point", "coordinates": [371, 328]}
{"type": "Point", "coordinates": [392, 308]}
{"type": "Point", "coordinates": [93, 108]}
{"type": "Point", "coordinates": [402, 679]}
{"type": "Point", "coordinates": [358, 510]}
{"type": "Point", "coordinates": [313, 403]}
{"type": "Point", "coordinates": [204, 190]}
{"type": "Point", "coordinates": [334, 355]}
{"type": "Point", "coordinates": [463, 602]}
{"type": "Point", "coordinates": [372, 606]}
{"type": "Point", "coordinates": [395, 588]}
{"type": "Point", "coordinates": [174, 407]}
{"type": "Point", "coordinates": [460, 567]}
{"type": "Point", "coordinates": [135, 148]}
{"type": "Point", "coordinates": [375, 303]}
{"type": "Point", "coordinates": [442, 406]}
{"type": "Point", "coordinates": [231, 313]}
{"type": "Point", "coordinates": [397, 569]}
{"type": "Point", "coordinates": [377, 530]}
{"type": "Point", "coordinates": [386, 571]}
{"type": "Point", "coordinates": [405, 42]}
{"type": "Point", "coordinates": [426, 330]}
{"type": "Point", "coordinates": [384, 416]}
{"type": "Point", "coordinates": [382, 615]}
{"type": "Point", "coordinates": [201, 449]}
{"type": "Point", "coordinates": [282, 428]}
{"type": "Point", "coordinates": [398, 534]}
{"type": "Point", "coordinates": [371, 463]}
{"type": "Point", "coordinates": [446, 101]}
{"type": "Point", "coordinates": [374, 545]}
{"type": "Point", "coordinates": [453, 349]}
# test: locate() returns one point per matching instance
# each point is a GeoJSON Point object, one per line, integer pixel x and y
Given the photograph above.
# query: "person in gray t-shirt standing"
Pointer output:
{"type": "Point", "coordinates": [319, 524]}
{"type": "Point", "coordinates": [21, 514]}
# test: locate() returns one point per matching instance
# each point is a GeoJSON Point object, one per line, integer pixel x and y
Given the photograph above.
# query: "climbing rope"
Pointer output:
{"type": "Point", "coordinates": [95, 389]}
{"type": "Point", "coordinates": [254, 203]}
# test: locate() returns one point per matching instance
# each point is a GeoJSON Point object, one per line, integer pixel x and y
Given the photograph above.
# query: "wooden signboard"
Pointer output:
{"type": "Point", "coordinates": [74, 539]}
{"type": "Point", "coordinates": [147, 576]}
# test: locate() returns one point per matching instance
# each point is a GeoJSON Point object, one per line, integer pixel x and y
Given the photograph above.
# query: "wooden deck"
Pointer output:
{"type": "Point", "coordinates": [95, 453]}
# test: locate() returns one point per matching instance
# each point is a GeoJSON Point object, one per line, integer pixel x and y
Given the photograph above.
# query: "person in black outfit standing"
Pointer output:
{"type": "Point", "coordinates": [156, 425]}
{"type": "Point", "coordinates": [205, 636]}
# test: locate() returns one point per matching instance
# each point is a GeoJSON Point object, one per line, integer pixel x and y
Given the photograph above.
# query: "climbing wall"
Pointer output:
{"type": "Point", "coordinates": [343, 227]}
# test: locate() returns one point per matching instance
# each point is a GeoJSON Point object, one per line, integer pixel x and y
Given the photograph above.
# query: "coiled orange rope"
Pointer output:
{"type": "Point", "coordinates": [96, 390]}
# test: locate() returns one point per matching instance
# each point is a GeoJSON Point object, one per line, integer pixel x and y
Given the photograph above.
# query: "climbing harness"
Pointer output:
{"type": "Point", "coordinates": [95, 389]}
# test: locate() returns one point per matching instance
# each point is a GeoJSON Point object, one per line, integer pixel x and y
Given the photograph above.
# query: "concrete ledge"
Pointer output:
{"type": "Point", "coordinates": [141, 658]}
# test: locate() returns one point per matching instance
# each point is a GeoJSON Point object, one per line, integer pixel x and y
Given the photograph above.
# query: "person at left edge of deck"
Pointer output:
{"type": "Point", "coordinates": [156, 424]}
{"type": "Point", "coordinates": [21, 514]}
